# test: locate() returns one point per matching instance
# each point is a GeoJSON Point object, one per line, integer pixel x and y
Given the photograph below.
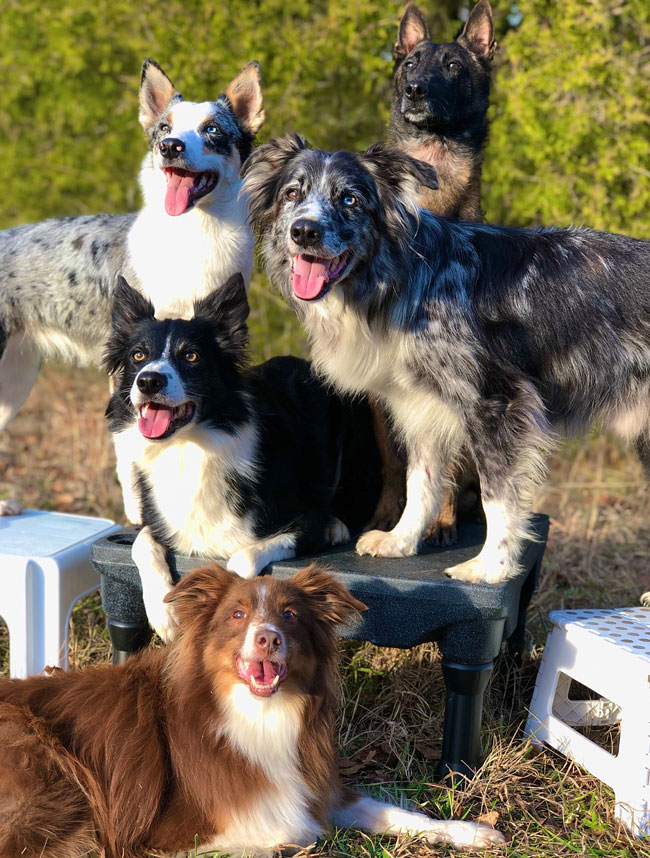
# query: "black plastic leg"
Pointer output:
{"type": "Point", "coordinates": [517, 640]}
{"type": "Point", "coordinates": [127, 638]}
{"type": "Point", "coordinates": [461, 740]}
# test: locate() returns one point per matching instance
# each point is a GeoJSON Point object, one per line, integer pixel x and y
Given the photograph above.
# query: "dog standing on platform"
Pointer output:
{"type": "Point", "coordinates": [473, 335]}
{"type": "Point", "coordinates": [441, 95]}
{"type": "Point", "coordinates": [57, 278]}
{"type": "Point", "coordinates": [223, 740]}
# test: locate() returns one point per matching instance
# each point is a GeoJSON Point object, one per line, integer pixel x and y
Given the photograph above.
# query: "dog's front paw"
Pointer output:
{"type": "Point", "coordinates": [160, 615]}
{"type": "Point", "coordinates": [244, 563]}
{"type": "Point", "coordinates": [469, 835]}
{"type": "Point", "coordinates": [477, 571]}
{"type": "Point", "coordinates": [440, 533]}
{"type": "Point", "coordinates": [10, 507]}
{"type": "Point", "coordinates": [378, 543]}
{"type": "Point", "coordinates": [336, 532]}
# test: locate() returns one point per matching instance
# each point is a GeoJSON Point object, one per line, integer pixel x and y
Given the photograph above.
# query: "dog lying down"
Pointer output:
{"type": "Point", "coordinates": [224, 739]}
{"type": "Point", "coordinates": [251, 465]}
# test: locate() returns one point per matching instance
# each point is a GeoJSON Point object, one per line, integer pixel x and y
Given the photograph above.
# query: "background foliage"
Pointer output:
{"type": "Point", "coordinates": [570, 133]}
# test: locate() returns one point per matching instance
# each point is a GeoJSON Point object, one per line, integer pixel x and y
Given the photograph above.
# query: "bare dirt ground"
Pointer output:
{"type": "Point", "coordinates": [57, 455]}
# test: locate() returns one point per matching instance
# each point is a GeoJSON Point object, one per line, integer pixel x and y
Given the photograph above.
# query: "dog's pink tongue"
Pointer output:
{"type": "Point", "coordinates": [308, 278]}
{"type": "Point", "coordinates": [177, 197]}
{"type": "Point", "coordinates": [154, 420]}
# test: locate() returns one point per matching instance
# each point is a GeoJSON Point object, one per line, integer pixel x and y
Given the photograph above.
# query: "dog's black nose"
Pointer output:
{"type": "Point", "coordinates": [414, 90]}
{"type": "Point", "coordinates": [171, 147]}
{"type": "Point", "coordinates": [305, 232]}
{"type": "Point", "coordinates": [150, 382]}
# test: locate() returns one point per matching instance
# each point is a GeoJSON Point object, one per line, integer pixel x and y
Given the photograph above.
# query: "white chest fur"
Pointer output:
{"type": "Point", "coordinates": [190, 480]}
{"type": "Point", "coordinates": [266, 731]}
{"type": "Point", "coordinates": [178, 260]}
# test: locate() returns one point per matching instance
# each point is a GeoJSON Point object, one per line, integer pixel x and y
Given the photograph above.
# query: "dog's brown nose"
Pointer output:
{"type": "Point", "coordinates": [171, 147]}
{"type": "Point", "coordinates": [268, 639]}
{"type": "Point", "coordinates": [305, 232]}
{"type": "Point", "coordinates": [414, 90]}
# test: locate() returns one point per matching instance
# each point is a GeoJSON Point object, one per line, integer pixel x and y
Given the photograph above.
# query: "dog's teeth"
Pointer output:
{"type": "Point", "coordinates": [276, 679]}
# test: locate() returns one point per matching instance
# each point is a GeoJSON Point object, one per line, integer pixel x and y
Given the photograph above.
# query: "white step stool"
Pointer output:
{"type": "Point", "coordinates": [609, 652]}
{"type": "Point", "coordinates": [44, 569]}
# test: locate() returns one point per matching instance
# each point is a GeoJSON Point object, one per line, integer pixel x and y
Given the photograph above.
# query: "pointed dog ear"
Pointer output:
{"type": "Point", "coordinates": [227, 309]}
{"type": "Point", "coordinates": [478, 33]}
{"type": "Point", "coordinates": [412, 29]}
{"type": "Point", "coordinates": [202, 588]}
{"type": "Point", "coordinates": [262, 171]}
{"type": "Point", "coordinates": [399, 174]}
{"type": "Point", "coordinates": [333, 602]}
{"type": "Point", "coordinates": [244, 92]}
{"type": "Point", "coordinates": [129, 307]}
{"type": "Point", "coordinates": [156, 93]}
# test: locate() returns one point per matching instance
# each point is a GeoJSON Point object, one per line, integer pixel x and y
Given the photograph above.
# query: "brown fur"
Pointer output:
{"type": "Point", "coordinates": [127, 759]}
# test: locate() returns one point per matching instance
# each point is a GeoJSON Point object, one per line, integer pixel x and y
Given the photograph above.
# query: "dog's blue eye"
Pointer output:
{"type": "Point", "coordinates": [238, 615]}
{"type": "Point", "coordinates": [349, 200]}
{"type": "Point", "coordinates": [289, 614]}
{"type": "Point", "coordinates": [211, 129]}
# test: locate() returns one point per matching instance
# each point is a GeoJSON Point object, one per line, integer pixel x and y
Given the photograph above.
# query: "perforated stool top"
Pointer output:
{"type": "Point", "coordinates": [628, 628]}
{"type": "Point", "coordinates": [38, 533]}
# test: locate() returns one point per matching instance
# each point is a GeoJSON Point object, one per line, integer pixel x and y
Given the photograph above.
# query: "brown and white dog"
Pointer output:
{"type": "Point", "coordinates": [223, 740]}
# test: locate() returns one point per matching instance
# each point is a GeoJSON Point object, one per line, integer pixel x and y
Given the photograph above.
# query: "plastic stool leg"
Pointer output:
{"type": "Point", "coordinates": [127, 638]}
{"type": "Point", "coordinates": [461, 741]}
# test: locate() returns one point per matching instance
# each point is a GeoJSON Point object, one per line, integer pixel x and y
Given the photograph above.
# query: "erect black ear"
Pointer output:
{"type": "Point", "coordinates": [262, 172]}
{"type": "Point", "coordinates": [478, 32]}
{"type": "Point", "coordinates": [402, 173]}
{"type": "Point", "coordinates": [227, 309]}
{"type": "Point", "coordinates": [129, 307]}
{"type": "Point", "coordinates": [203, 588]}
{"type": "Point", "coordinates": [334, 602]}
{"type": "Point", "coordinates": [156, 92]}
{"type": "Point", "coordinates": [244, 92]}
{"type": "Point", "coordinates": [412, 29]}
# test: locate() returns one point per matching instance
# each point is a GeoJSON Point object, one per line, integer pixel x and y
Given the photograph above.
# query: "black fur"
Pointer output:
{"type": "Point", "coordinates": [315, 455]}
{"type": "Point", "coordinates": [516, 334]}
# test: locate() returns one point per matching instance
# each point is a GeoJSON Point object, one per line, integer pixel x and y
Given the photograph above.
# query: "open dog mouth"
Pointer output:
{"type": "Point", "coordinates": [160, 421]}
{"type": "Point", "coordinates": [185, 188]}
{"type": "Point", "coordinates": [312, 276]}
{"type": "Point", "coordinates": [262, 677]}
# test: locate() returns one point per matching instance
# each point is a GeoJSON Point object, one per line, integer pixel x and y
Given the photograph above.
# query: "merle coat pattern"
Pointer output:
{"type": "Point", "coordinates": [488, 336]}
{"type": "Point", "coordinates": [57, 277]}
{"type": "Point", "coordinates": [247, 464]}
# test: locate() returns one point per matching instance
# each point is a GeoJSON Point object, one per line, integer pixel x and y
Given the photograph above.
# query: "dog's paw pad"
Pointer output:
{"type": "Point", "coordinates": [336, 532]}
{"type": "Point", "coordinates": [379, 543]}
{"type": "Point", "coordinates": [10, 507]}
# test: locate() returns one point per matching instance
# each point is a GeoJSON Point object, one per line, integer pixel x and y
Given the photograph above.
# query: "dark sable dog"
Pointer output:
{"type": "Point", "coordinates": [440, 102]}
{"type": "Point", "coordinates": [247, 464]}
{"type": "Point", "coordinates": [476, 335]}
{"type": "Point", "coordinates": [439, 115]}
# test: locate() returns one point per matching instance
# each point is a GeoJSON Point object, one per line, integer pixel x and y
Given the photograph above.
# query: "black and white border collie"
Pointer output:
{"type": "Point", "coordinates": [484, 336]}
{"type": "Point", "coordinates": [250, 465]}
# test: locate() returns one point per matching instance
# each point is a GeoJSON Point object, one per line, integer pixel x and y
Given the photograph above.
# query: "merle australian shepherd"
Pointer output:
{"type": "Point", "coordinates": [222, 741]}
{"type": "Point", "coordinates": [486, 336]}
{"type": "Point", "coordinates": [251, 465]}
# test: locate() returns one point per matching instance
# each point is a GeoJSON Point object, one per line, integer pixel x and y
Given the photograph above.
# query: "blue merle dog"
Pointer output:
{"type": "Point", "coordinates": [496, 338]}
{"type": "Point", "coordinates": [57, 277]}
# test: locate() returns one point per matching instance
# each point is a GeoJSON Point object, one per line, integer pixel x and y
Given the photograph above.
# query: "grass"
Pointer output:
{"type": "Point", "coordinates": [57, 455]}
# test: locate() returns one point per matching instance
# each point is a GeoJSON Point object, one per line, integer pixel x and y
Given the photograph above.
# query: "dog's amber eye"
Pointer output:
{"type": "Point", "coordinates": [349, 200]}
{"type": "Point", "coordinates": [294, 194]}
{"type": "Point", "coordinates": [165, 128]}
{"type": "Point", "coordinates": [191, 357]}
{"type": "Point", "coordinates": [239, 614]}
{"type": "Point", "coordinates": [138, 356]}
{"type": "Point", "coordinates": [453, 66]}
{"type": "Point", "coordinates": [289, 614]}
